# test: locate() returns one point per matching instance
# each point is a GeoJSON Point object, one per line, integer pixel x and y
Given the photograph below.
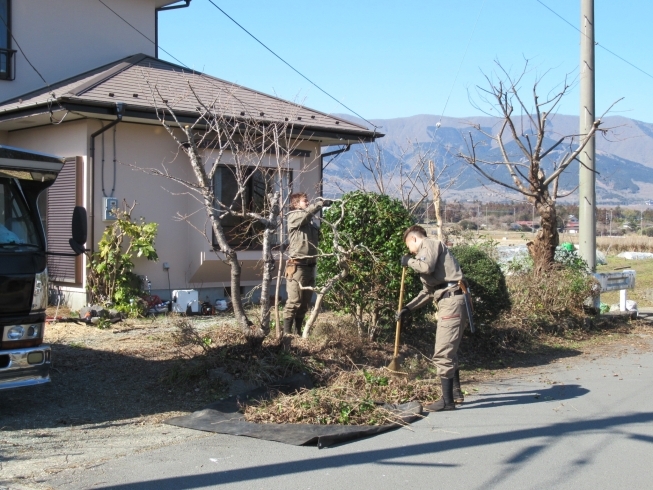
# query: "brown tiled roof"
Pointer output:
{"type": "Point", "coordinates": [141, 82]}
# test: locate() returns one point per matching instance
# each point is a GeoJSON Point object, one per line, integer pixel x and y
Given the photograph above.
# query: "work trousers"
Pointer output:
{"type": "Point", "coordinates": [452, 319]}
{"type": "Point", "coordinates": [299, 299]}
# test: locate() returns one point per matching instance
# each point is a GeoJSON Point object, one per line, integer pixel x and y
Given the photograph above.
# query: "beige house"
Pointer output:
{"type": "Point", "coordinates": [97, 109]}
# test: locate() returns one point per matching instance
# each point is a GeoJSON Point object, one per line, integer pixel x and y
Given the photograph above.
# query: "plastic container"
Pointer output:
{"type": "Point", "coordinates": [568, 246]}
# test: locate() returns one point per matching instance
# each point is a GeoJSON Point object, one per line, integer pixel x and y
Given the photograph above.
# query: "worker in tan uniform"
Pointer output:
{"type": "Point", "coordinates": [440, 275]}
{"type": "Point", "coordinates": [303, 236]}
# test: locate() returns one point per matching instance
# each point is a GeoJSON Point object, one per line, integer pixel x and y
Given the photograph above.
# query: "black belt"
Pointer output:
{"type": "Point", "coordinates": [302, 262]}
{"type": "Point", "coordinates": [450, 293]}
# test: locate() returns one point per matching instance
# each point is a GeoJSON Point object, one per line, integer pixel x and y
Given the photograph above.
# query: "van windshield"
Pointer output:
{"type": "Point", "coordinates": [16, 226]}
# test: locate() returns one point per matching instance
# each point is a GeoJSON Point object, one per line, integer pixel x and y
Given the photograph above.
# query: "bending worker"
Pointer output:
{"type": "Point", "coordinates": [303, 236]}
{"type": "Point", "coordinates": [440, 275]}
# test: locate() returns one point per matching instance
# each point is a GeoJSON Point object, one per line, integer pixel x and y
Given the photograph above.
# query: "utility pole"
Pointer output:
{"type": "Point", "coordinates": [587, 177]}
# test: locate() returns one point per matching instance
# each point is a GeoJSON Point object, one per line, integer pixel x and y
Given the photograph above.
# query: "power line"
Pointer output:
{"type": "Point", "coordinates": [290, 66]}
{"type": "Point", "coordinates": [23, 52]}
{"type": "Point", "coordinates": [52, 94]}
{"type": "Point", "coordinates": [599, 45]}
{"type": "Point", "coordinates": [184, 64]}
{"type": "Point", "coordinates": [167, 52]}
{"type": "Point", "coordinates": [130, 25]}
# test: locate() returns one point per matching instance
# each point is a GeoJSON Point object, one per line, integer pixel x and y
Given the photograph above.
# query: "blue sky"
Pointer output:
{"type": "Point", "coordinates": [387, 59]}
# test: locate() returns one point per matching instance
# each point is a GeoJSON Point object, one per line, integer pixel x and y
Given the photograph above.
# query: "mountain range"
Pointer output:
{"type": "Point", "coordinates": [624, 155]}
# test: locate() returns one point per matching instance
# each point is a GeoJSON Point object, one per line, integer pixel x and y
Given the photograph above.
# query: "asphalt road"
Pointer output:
{"type": "Point", "coordinates": [584, 425]}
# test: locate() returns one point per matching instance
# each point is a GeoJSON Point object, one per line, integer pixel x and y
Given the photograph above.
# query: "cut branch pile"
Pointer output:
{"type": "Point", "coordinates": [352, 386]}
{"type": "Point", "coordinates": [353, 398]}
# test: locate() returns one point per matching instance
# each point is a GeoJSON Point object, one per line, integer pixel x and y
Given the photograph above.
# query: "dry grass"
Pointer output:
{"type": "Point", "coordinates": [613, 245]}
{"type": "Point", "coordinates": [550, 303]}
{"type": "Point", "coordinates": [630, 243]}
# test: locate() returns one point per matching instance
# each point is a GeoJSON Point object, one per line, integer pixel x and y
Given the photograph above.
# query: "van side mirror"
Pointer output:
{"type": "Point", "coordinates": [79, 228]}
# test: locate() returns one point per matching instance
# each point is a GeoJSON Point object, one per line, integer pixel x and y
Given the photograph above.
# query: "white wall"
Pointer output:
{"type": "Point", "coordinates": [64, 140]}
{"type": "Point", "coordinates": [158, 199]}
{"type": "Point", "coordinates": [63, 38]}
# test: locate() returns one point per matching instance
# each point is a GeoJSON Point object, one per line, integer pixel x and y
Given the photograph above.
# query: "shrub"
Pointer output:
{"type": "Point", "coordinates": [371, 290]}
{"type": "Point", "coordinates": [110, 279]}
{"type": "Point", "coordinates": [648, 231]}
{"type": "Point", "coordinates": [570, 259]}
{"type": "Point", "coordinates": [486, 280]}
{"type": "Point", "coordinates": [551, 302]}
{"type": "Point", "coordinates": [467, 225]}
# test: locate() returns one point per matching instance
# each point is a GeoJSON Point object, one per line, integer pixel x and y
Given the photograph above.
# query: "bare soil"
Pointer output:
{"type": "Point", "coordinates": [112, 388]}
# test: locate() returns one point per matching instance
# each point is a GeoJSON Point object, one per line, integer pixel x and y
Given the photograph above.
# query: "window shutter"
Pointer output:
{"type": "Point", "coordinates": [63, 196]}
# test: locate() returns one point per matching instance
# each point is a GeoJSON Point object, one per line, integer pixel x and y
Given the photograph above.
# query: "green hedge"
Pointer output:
{"type": "Point", "coordinates": [487, 282]}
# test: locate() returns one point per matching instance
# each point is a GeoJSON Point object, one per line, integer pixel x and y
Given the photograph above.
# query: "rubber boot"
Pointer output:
{"type": "Point", "coordinates": [446, 401]}
{"type": "Point", "coordinates": [287, 326]}
{"type": "Point", "coordinates": [458, 396]}
{"type": "Point", "coordinates": [298, 324]}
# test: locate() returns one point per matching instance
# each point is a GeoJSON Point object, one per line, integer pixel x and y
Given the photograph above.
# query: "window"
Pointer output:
{"type": "Point", "coordinates": [16, 226]}
{"type": "Point", "coordinates": [245, 233]}
{"type": "Point", "coordinates": [7, 59]}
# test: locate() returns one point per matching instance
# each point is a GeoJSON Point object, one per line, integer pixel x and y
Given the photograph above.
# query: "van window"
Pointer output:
{"type": "Point", "coordinates": [16, 225]}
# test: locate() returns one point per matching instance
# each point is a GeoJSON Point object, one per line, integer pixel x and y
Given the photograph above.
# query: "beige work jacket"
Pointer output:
{"type": "Point", "coordinates": [438, 270]}
{"type": "Point", "coordinates": [303, 233]}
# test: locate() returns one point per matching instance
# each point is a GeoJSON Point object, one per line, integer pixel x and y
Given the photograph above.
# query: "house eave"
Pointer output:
{"type": "Point", "coordinates": [148, 115]}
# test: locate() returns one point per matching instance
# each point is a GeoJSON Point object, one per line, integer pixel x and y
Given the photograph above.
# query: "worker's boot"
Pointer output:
{"type": "Point", "coordinates": [299, 320]}
{"type": "Point", "coordinates": [446, 401]}
{"type": "Point", "coordinates": [458, 396]}
{"type": "Point", "coordinates": [287, 325]}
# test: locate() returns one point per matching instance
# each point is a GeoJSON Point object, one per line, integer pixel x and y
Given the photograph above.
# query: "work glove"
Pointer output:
{"type": "Point", "coordinates": [327, 202]}
{"type": "Point", "coordinates": [405, 259]}
{"type": "Point", "coordinates": [402, 314]}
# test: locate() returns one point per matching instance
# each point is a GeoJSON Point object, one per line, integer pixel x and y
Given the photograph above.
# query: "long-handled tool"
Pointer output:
{"type": "Point", "coordinates": [394, 364]}
{"type": "Point", "coordinates": [469, 305]}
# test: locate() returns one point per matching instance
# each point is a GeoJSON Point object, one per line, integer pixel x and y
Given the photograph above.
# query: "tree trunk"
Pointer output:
{"type": "Point", "coordinates": [268, 267]}
{"type": "Point", "coordinates": [344, 271]}
{"type": "Point", "coordinates": [543, 248]}
{"type": "Point", "coordinates": [232, 257]}
{"type": "Point", "coordinates": [268, 262]}
{"type": "Point", "coordinates": [374, 324]}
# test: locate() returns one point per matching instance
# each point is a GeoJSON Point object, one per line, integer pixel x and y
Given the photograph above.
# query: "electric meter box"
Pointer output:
{"type": "Point", "coordinates": [183, 299]}
{"type": "Point", "coordinates": [110, 208]}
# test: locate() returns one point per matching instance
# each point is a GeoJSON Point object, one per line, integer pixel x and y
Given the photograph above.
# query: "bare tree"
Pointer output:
{"type": "Point", "coordinates": [415, 173]}
{"type": "Point", "coordinates": [253, 155]}
{"type": "Point", "coordinates": [525, 148]}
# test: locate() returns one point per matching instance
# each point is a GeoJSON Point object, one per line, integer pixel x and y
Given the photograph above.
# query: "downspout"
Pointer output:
{"type": "Point", "coordinates": [120, 110]}
{"type": "Point", "coordinates": [156, 22]}
{"type": "Point", "coordinates": [322, 167]}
